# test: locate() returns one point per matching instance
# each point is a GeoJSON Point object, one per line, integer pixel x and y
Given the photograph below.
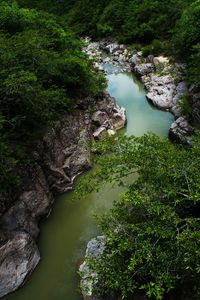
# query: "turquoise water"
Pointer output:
{"type": "Point", "coordinates": [64, 235]}
{"type": "Point", "coordinates": [142, 116]}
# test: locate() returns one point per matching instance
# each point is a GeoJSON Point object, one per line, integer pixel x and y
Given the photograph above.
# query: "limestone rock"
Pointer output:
{"type": "Point", "coordinates": [61, 154]}
{"type": "Point", "coordinates": [134, 61]}
{"type": "Point", "coordinates": [161, 91]}
{"type": "Point", "coordinates": [180, 132]}
{"type": "Point", "coordinates": [113, 47]}
{"type": "Point", "coordinates": [19, 256]}
{"type": "Point", "coordinates": [161, 60]}
{"type": "Point", "coordinates": [144, 69]}
{"type": "Point", "coordinates": [150, 59]}
{"type": "Point", "coordinates": [119, 118]}
{"type": "Point", "coordinates": [99, 117]}
{"type": "Point", "coordinates": [89, 279]}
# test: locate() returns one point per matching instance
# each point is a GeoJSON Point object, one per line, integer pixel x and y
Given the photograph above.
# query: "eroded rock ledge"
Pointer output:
{"type": "Point", "coordinates": [60, 155]}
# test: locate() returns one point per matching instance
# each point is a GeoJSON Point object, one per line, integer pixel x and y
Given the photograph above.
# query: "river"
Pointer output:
{"type": "Point", "coordinates": [64, 235]}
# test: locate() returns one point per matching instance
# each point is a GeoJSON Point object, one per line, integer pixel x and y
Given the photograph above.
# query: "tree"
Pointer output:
{"type": "Point", "coordinates": [43, 75]}
{"type": "Point", "coordinates": [153, 232]}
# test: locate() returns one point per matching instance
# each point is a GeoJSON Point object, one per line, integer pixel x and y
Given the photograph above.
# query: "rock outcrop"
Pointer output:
{"type": "Point", "coordinates": [19, 256]}
{"type": "Point", "coordinates": [180, 131]}
{"type": "Point", "coordinates": [60, 155]}
{"type": "Point", "coordinates": [164, 92]}
{"type": "Point", "coordinates": [89, 279]}
{"type": "Point", "coordinates": [144, 69]}
{"type": "Point", "coordinates": [109, 118]}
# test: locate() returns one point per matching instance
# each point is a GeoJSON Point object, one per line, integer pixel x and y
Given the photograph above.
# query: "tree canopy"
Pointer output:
{"type": "Point", "coordinates": [43, 74]}
{"type": "Point", "coordinates": [153, 232]}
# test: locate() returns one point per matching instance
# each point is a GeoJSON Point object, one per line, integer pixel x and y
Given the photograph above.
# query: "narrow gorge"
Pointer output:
{"type": "Point", "coordinates": [62, 154]}
{"type": "Point", "coordinates": [99, 150]}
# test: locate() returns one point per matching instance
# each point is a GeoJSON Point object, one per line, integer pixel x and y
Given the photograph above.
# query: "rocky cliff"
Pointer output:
{"type": "Point", "coordinates": [60, 155]}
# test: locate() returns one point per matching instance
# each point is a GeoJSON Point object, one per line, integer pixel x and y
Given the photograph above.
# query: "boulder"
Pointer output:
{"type": "Point", "coordinates": [99, 117]}
{"type": "Point", "coordinates": [19, 256]}
{"type": "Point", "coordinates": [150, 59]}
{"type": "Point", "coordinates": [144, 69]}
{"type": "Point", "coordinates": [161, 60]}
{"type": "Point", "coordinates": [134, 61]}
{"type": "Point", "coordinates": [161, 91]}
{"type": "Point", "coordinates": [180, 132]}
{"type": "Point", "coordinates": [112, 48]}
{"type": "Point", "coordinates": [118, 120]}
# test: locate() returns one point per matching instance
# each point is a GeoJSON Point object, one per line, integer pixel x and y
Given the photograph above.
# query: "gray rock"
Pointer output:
{"type": "Point", "coordinates": [161, 91]}
{"type": "Point", "coordinates": [144, 69]}
{"type": "Point", "coordinates": [60, 156]}
{"type": "Point", "coordinates": [89, 279]}
{"type": "Point", "coordinates": [32, 204]}
{"type": "Point", "coordinates": [150, 59]}
{"type": "Point", "coordinates": [134, 61]}
{"type": "Point", "coordinates": [99, 117]}
{"type": "Point", "coordinates": [19, 256]}
{"type": "Point", "coordinates": [180, 132]}
{"type": "Point", "coordinates": [118, 120]}
{"type": "Point", "coordinates": [112, 48]}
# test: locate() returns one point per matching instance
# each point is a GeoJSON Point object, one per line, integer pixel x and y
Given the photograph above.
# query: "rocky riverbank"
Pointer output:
{"type": "Point", "coordinates": [163, 80]}
{"type": "Point", "coordinates": [165, 85]}
{"type": "Point", "coordinates": [61, 154]}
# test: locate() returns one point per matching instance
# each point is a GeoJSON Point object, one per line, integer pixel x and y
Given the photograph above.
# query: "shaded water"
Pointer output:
{"type": "Point", "coordinates": [64, 235]}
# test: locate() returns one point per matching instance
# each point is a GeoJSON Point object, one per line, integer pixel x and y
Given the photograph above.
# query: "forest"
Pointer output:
{"type": "Point", "coordinates": [153, 233]}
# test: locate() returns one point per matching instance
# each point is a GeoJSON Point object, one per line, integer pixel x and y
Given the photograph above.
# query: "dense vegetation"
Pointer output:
{"type": "Point", "coordinates": [153, 232]}
{"type": "Point", "coordinates": [43, 73]}
{"type": "Point", "coordinates": [168, 26]}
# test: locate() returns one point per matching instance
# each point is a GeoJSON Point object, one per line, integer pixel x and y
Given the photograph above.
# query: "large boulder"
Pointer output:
{"type": "Point", "coordinates": [99, 117]}
{"type": "Point", "coordinates": [112, 48]}
{"type": "Point", "coordinates": [19, 256]}
{"type": "Point", "coordinates": [134, 61]}
{"type": "Point", "coordinates": [144, 69]}
{"type": "Point", "coordinates": [180, 132]}
{"type": "Point", "coordinates": [118, 120]}
{"type": "Point", "coordinates": [110, 117]}
{"type": "Point", "coordinates": [160, 60]}
{"type": "Point", "coordinates": [150, 59]}
{"type": "Point", "coordinates": [161, 91]}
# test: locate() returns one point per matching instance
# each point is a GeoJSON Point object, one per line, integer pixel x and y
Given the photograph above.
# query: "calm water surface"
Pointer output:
{"type": "Point", "coordinates": [64, 235]}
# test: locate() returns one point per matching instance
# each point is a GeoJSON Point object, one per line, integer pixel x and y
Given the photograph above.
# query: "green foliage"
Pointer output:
{"type": "Point", "coordinates": [153, 232]}
{"type": "Point", "coordinates": [193, 66]}
{"type": "Point", "coordinates": [185, 105]}
{"type": "Point", "coordinates": [187, 30]}
{"type": "Point", "coordinates": [43, 74]}
{"type": "Point", "coordinates": [156, 48]}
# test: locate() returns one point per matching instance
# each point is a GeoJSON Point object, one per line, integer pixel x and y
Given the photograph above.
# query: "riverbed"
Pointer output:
{"type": "Point", "coordinates": [64, 235]}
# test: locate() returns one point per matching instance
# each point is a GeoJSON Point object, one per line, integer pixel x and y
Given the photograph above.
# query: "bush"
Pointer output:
{"type": "Point", "coordinates": [185, 105]}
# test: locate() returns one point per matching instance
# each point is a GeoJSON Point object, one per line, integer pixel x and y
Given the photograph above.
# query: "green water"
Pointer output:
{"type": "Point", "coordinates": [71, 225]}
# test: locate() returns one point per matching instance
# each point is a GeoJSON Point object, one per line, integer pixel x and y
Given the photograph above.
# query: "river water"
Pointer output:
{"type": "Point", "coordinates": [64, 235]}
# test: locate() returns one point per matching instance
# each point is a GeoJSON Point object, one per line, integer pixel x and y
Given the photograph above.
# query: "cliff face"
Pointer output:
{"type": "Point", "coordinates": [59, 157]}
